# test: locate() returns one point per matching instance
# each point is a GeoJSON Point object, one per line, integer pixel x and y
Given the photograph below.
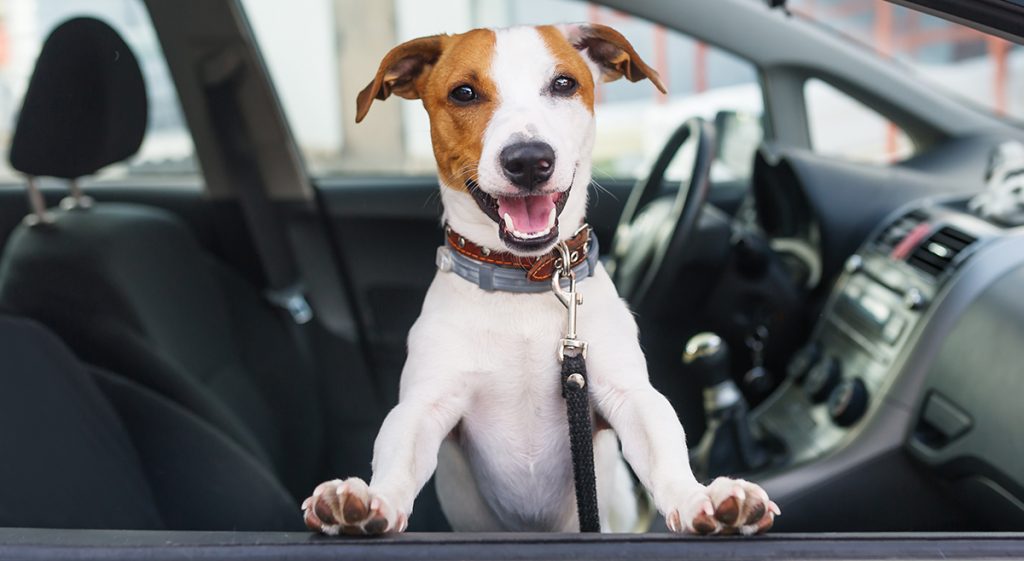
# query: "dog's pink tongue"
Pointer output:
{"type": "Point", "coordinates": [529, 215]}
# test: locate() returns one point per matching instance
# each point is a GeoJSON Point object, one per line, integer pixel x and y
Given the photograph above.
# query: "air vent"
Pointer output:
{"type": "Point", "coordinates": [934, 255]}
{"type": "Point", "coordinates": [896, 232]}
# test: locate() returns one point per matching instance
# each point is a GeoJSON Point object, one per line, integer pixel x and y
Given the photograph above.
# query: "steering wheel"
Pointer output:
{"type": "Point", "coordinates": [647, 252]}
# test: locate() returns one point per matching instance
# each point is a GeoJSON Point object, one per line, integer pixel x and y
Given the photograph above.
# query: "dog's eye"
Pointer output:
{"type": "Point", "coordinates": [463, 94]}
{"type": "Point", "coordinates": [563, 85]}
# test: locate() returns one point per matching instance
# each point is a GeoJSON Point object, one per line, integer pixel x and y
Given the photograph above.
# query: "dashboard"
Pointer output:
{"type": "Point", "coordinates": [918, 357]}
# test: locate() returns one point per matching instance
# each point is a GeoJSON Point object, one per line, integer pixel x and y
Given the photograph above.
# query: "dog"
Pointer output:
{"type": "Point", "coordinates": [512, 124]}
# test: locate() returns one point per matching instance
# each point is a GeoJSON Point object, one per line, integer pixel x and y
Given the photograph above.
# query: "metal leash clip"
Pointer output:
{"type": "Point", "coordinates": [571, 299]}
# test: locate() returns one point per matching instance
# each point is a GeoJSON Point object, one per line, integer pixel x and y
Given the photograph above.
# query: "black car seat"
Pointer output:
{"type": "Point", "coordinates": [83, 448]}
{"type": "Point", "coordinates": [129, 288]}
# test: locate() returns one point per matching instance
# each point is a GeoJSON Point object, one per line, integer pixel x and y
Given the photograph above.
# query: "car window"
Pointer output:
{"type": "Point", "coordinates": [24, 26]}
{"type": "Point", "coordinates": [964, 62]}
{"type": "Point", "coordinates": [840, 126]}
{"type": "Point", "coordinates": [321, 53]}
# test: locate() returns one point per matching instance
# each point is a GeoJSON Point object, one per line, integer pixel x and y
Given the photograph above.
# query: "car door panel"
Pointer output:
{"type": "Point", "coordinates": [18, 543]}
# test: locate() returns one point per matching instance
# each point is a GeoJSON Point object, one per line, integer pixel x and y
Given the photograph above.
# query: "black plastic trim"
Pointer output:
{"type": "Point", "coordinates": [109, 545]}
{"type": "Point", "coordinates": [1004, 18]}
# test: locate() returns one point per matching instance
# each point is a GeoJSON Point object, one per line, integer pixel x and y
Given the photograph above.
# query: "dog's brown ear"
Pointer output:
{"type": "Point", "coordinates": [612, 53]}
{"type": "Point", "coordinates": [400, 72]}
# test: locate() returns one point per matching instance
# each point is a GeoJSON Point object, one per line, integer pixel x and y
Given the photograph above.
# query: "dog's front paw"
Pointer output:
{"type": "Point", "coordinates": [351, 507]}
{"type": "Point", "coordinates": [726, 506]}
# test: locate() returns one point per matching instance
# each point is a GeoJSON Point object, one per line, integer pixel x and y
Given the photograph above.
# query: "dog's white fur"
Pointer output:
{"type": "Point", "coordinates": [482, 379]}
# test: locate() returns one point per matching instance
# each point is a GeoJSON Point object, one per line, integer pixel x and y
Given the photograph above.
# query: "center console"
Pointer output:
{"type": "Point", "coordinates": [868, 327]}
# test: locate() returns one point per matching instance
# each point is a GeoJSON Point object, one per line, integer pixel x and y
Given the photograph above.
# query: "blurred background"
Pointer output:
{"type": "Point", "coordinates": [320, 58]}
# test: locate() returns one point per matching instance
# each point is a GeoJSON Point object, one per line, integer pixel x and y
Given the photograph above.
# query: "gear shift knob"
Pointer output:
{"type": "Point", "coordinates": [703, 345]}
{"type": "Point", "coordinates": [727, 445]}
{"type": "Point", "coordinates": [708, 355]}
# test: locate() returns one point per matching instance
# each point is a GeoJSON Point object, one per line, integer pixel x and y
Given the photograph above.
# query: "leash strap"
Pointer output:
{"type": "Point", "coordinates": [572, 353]}
{"type": "Point", "coordinates": [581, 440]}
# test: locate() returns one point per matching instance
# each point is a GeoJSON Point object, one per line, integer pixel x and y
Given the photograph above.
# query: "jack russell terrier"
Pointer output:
{"type": "Point", "coordinates": [512, 124]}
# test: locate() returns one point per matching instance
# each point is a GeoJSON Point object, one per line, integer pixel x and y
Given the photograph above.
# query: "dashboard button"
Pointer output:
{"type": "Point", "coordinates": [848, 402]}
{"type": "Point", "coordinates": [854, 263]}
{"type": "Point", "coordinates": [822, 379]}
{"type": "Point", "coordinates": [913, 299]}
{"type": "Point", "coordinates": [893, 329]}
{"type": "Point", "coordinates": [853, 292]}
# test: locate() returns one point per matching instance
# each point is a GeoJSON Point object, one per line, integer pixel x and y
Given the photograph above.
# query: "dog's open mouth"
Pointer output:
{"type": "Point", "coordinates": [525, 222]}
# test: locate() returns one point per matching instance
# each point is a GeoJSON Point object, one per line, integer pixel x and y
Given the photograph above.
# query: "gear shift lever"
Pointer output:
{"type": "Point", "coordinates": [708, 354]}
{"type": "Point", "coordinates": [727, 446]}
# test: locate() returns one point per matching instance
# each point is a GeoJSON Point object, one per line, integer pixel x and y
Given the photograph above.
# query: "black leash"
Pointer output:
{"type": "Point", "coordinates": [572, 354]}
{"type": "Point", "coordinates": [581, 440]}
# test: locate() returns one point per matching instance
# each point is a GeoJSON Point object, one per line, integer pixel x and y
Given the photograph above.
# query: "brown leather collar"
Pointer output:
{"type": "Point", "coordinates": [538, 269]}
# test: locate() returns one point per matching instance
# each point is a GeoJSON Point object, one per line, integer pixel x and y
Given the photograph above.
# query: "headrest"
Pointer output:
{"type": "Point", "coordinates": [85, 107]}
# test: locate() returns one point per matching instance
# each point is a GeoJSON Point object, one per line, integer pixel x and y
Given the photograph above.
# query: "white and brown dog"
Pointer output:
{"type": "Point", "coordinates": [512, 123]}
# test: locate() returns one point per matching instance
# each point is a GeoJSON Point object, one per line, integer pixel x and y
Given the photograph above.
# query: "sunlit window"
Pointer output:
{"type": "Point", "coordinates": [842, 127]}
{"type": "Point", "coordinates": [986, 70]}
{"type": "Point", "coordinates": [321, 53]}
{"type": "Point", "coordinates": [24, 26]}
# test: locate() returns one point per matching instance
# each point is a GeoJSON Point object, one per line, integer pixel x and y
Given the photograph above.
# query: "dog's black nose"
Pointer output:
{"type": "Point", "coordinates": [528, 164]}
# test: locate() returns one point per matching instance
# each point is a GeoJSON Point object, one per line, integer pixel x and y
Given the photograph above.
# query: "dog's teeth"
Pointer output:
{"type": "Point", "coordinates": [526, 236]}
{"type": "Point", "coordinates": [551, 219]}
{"type": "Point", "coordinates": [509, 224]}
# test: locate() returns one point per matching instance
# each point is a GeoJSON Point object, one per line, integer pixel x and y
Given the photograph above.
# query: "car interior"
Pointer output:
{"type": "Point", "coordinates": [198, 358]}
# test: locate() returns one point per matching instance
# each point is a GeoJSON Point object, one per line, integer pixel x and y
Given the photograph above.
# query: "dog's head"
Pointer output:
{"type": "Point", "coordinates": [512, 123]}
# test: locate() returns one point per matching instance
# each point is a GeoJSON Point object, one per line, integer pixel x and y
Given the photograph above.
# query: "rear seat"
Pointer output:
{"type": "Point", "coordinates": [129, 289]}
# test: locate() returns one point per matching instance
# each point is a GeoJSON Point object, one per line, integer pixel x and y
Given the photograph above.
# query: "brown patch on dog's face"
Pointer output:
{"type": "Point", "coordinates": [569, 63]}
{"type": "Point", "coordinates": [457, 127]}
{"type": "Point", "coordinates": [430, 68]}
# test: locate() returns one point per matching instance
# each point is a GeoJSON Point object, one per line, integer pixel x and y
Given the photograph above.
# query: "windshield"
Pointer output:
{"type": "Point", "coordinates": [983, 69]}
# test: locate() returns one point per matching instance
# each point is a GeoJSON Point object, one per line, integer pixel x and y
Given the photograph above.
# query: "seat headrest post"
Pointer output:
{"type": "Point", "coordinates": [37, 204]}
{"type": "Point", "coordinates": [77, 200]}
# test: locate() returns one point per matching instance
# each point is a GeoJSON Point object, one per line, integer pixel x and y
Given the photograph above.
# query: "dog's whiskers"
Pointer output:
{"type": "Point", "coordinates": [469, 177]}
{"type": "Point", "coordinates": [435, 196]}
{"type": "Point", "coordinates": [465, 172]}
{"type": "Point", "coordinates": [466, 175]}
{"type": "Point", "coordinates": [600, 189]}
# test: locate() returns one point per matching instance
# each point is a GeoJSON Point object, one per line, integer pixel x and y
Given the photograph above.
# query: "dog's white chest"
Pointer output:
{"type": "Point", "coordinates": [517, 447]}
{"type": "Point", "coordinates": [514, 433]}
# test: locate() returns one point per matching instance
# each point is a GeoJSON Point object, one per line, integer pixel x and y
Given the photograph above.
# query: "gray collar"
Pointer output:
{"type": "Point", "coordinates": [494, 278]}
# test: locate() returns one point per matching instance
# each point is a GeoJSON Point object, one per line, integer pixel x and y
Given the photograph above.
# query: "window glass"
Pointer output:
{"type": "Point", "coordinates": [25, 24]}
{"type": "Point", "coordinates": [982, 68]}
{"type": "Point", "coordinates": [842, 127]}
{"type": "Point", "coordinates": [322, 52]}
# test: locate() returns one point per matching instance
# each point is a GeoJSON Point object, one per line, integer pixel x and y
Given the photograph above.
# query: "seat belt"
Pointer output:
{"type": "Point", "coordinates": [285, 288]}
{"type": "Point", "coordinates": [285, 251]}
